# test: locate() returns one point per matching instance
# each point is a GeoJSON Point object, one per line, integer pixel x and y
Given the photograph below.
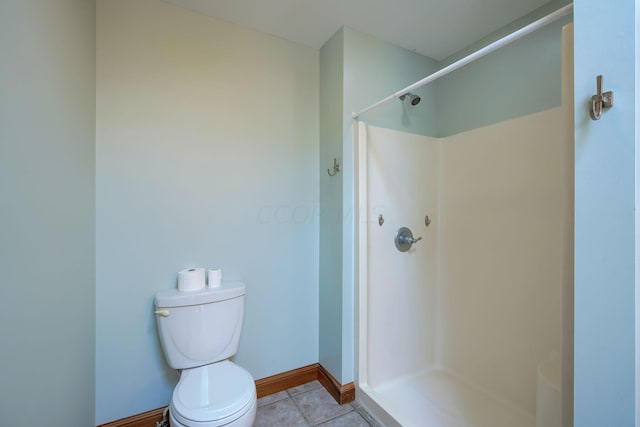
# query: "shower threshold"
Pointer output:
{"type": "Point", "coordinates": [437, 398]}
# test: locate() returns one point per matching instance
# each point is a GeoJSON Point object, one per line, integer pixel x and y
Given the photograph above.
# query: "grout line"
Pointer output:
{"type": "Point", "coordinates": [335, 417]}
{"type": "Point", "coordinates": [367, 417]}
{"type": "Point", "coordinates": [324, 420]}
{"type": "Point", "coordinates": [260, 405]}
{"type": "Point", "coordinates": [304, 391]}
{"type": "Point", "coordinates": [298, 408]}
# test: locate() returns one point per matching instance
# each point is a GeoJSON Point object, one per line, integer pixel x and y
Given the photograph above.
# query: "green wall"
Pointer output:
{"type": "Point", "coordinates": [47, 285]}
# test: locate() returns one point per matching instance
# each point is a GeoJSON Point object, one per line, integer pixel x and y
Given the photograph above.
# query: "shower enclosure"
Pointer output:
{"type": "Point", "coordinates": [465, 328]}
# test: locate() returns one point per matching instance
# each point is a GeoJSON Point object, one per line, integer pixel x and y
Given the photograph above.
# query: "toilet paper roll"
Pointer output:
{"type": "Point", "coordinates": [215, 277]}
{"type": "Point", "coordinates": [191, 279]}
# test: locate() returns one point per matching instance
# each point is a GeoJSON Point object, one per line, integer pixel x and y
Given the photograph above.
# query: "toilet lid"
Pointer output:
{"type": "Point", "coordinates": [213, 392]}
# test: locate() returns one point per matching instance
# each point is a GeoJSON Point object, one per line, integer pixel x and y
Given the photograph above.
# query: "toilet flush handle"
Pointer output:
{"type": "Point", "coordinates": [163, 313]}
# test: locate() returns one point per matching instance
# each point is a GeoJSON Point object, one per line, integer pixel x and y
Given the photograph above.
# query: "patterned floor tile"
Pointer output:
{"type": "Point", "coordinates": [283, 413]}
{"type": "Point", "coordinates": [304, 387]}
{"type": "Point", "coordinates": [318, 406]}
{"type": "Point", "coordinates": [267, 400]}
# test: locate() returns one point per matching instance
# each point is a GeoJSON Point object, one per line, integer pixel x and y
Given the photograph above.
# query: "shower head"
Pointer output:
{"type": "Point", "coordinates": [414, 99]}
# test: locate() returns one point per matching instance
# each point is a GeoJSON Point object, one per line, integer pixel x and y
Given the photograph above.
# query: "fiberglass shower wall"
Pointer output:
{"type": "Point", "coordinates": [500, 258]}
{"type": "Point", "coordinates": [403, 189]}
{"type": "Point", "coordinates": [478, 300]}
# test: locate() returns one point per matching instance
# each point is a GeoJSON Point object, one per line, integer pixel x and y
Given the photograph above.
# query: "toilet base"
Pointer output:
{"type": "Point", "coordinates": [245, 420]}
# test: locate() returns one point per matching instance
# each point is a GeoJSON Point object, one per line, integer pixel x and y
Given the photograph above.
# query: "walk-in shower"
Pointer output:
{"type": "Point", "coordinates": [463, 260]}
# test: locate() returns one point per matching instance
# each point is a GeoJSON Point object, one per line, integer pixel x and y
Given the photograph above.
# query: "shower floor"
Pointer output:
{"type": "Point", "coordinates": [438, 399]}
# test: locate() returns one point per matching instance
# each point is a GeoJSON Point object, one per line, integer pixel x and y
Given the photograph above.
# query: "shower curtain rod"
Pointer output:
{"type": "Point", "coordinates": [527, 29]}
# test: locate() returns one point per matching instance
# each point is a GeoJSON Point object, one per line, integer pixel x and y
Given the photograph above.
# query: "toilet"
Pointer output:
{"type": "Point", "coordinates": [199, 331]}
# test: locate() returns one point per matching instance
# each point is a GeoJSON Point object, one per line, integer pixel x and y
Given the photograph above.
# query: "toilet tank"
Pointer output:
{"type": "Point", "coordinates": [200, 327]}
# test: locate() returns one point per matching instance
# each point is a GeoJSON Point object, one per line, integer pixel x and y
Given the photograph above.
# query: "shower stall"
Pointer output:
{"type": "Point", "coordinates": [461, 322]}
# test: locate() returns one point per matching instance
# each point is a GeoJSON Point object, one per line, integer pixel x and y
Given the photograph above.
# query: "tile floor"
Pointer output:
{"type": "Point", "coordinates": [309, 405]}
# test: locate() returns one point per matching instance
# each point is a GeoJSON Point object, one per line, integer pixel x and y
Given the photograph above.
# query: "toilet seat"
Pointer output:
{"type": "Point", "coordinates": [213, 395]}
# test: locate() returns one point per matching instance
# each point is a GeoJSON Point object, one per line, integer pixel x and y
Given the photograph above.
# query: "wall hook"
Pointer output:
{"type": "Point", "coordinates": [600, 100]}
{"type": "Point", "coordinates": [336, 168]}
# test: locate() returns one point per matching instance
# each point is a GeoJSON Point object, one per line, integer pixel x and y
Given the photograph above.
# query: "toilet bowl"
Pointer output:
{"type": "Point", "coordinates": [199, 331]}
{"type": "Point", "coordinates": [221, 394]}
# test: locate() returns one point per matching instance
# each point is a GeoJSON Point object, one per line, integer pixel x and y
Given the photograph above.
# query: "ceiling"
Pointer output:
{"type": "Point", "coordinates": [435, 28]}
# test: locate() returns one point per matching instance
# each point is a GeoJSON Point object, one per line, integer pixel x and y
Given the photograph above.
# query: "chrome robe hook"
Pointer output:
{"type": "Point", "coordinates": [600, 100]}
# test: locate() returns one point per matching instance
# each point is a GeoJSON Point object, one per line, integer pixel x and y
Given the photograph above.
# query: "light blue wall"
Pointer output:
{"type": "Point", "coordinates": [374, 69]}
{"type": "Point", "coordinates": [604, 217]}
{"type": "Point", "coordinates": [207, 155]}
{"type": "Point", "coordinates": [47, 285]}
{"type": "Point", "coordinates": [637, 233]}
{"type": "Point", "coordinates": [331, 213]}
{"type": "Point", "coordinates": [519, 79]}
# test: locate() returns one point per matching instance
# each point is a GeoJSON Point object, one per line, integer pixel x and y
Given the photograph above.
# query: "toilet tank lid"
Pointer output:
{"type": "Point", "coordinates": [176, 298]}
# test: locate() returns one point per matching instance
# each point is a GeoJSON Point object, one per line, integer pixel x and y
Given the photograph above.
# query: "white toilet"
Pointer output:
{"type": "Point", "coordinates": [199, 331]}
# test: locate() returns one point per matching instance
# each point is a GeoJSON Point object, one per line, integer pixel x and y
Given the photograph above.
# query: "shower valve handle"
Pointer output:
{"type": "Point", "coordinates": [409, 239]}
{"type": "Point", "coordinates": [404, 239]}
